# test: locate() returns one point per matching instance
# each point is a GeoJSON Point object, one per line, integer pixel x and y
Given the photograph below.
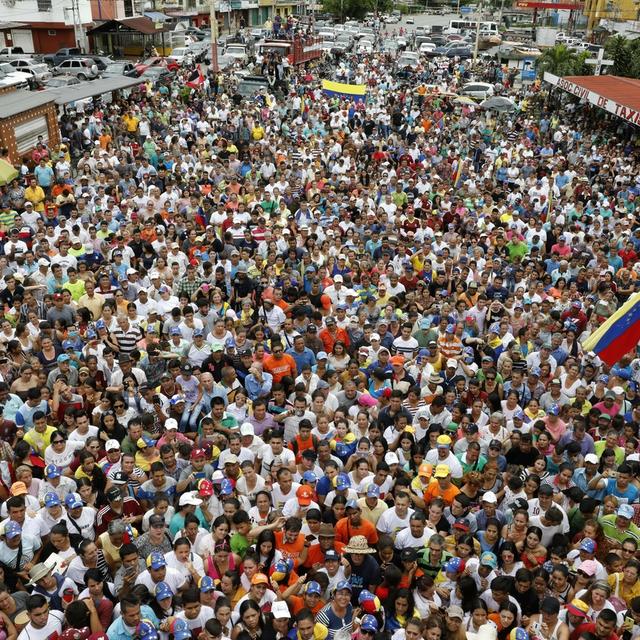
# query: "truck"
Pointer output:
{"type": "Point", "coordinates": [12, 53]}
{"type": "Point", "coordinates": [298, 50]}
{"type": "Point", "coordinates": [54, 59]}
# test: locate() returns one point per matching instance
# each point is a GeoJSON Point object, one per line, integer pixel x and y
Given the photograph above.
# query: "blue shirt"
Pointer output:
{"type": "Point", "coordinates": [24, 415]}
{"type": "Point", "coordinates": [629, 495]}
{"type": "Point", "coordinates": [306, 357]}
{"type": "Point", "coordinates": [118, 631]}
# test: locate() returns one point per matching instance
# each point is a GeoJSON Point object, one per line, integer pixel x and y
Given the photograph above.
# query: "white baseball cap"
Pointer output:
{"type": "Point", "coordinates": [170, 424]}
{"type": "Point", "coordinates": [112, 445]}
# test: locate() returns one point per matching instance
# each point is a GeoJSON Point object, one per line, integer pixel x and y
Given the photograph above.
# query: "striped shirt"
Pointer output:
{"type": "Point", "coordinates": [127, 340]}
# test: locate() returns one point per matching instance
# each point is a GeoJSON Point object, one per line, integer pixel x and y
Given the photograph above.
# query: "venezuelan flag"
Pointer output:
{"type": "Point", "coordinates": [355, 92]}
{"type": "Point", "coordinates": [619, 334]}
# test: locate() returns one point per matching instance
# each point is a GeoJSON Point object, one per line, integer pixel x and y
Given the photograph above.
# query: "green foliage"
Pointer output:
{"type": "Point", "coordinates": [356, 9]}
{"type": "Point", "coordinates": [562, 61]}
{"type": "Point", "coordinates": [625, 54]}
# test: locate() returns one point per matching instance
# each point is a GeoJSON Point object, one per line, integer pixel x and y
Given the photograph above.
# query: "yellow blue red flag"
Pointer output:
{"type": "Point", "coordinates": [619, 334]}
{"type": "Point", "coordinates": [355, 92]}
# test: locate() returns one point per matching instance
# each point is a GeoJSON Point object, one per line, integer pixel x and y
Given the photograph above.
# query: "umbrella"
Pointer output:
{"type": "Point", "coordinates": [7, 172]}
{"type": "Point", "coordinates": [466, 100]}
{"type": "Point", "coordinates": [498, 103]}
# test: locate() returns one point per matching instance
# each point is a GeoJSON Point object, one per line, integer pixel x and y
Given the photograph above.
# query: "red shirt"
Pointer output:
{"type": "Point", "coordinates": [589, 627]}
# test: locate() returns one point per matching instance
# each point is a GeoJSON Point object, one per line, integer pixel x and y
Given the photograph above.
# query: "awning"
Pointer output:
{"type": "Point", "coordinates": [129, 25]}
{"type": "Point", "coordinates": [15, 102]}
{"type": "Point", "coordinates": [156, 16]}
{"type": "Point", "coordinates": [88, 89]}
{"type": "Point", "coordinates": [12, 25]}
{"type": "Point", "coordinates": [615, 94]}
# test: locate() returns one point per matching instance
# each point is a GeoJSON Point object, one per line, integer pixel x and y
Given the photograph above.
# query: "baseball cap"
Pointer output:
{"type": "Point", "coordinates": [588, 545]}
{"type": "Point", "coordinates": [331, 555]}
{"type": "Point", "coordinates": [163, 590]}
{"type": "Point", "coordinates": [112, 445]}
{"type": "Point", "coordinates": [443, 441]}
{"type": "Point", "coordinates": [489, 559]}
{"type": "Point", "coordinates": [73, 501]}
{"type": "Point", "coordinates": [170, 424]}
{"type": "Point", "coordinates": [342, 482]}
{"type": "Point", "coordinates": [304, 495]}
{"type": "Point", "coordinates": [391, 457]}
{"type": "Point", "coordinates": [51, 499]}
{"type": "Point", "coordinates": [52, 471]}
{"type": "Point", "coordinates": [591, 458]}
{"type": "Point", "coordinates": [313, 587]}
{"type": "Point", "coordinates": [442, 471]}
{"type": "Point", "coordinates": [12, 530]}
{"type": "Point", "coordinates": [247, 429]}
{"type": "Point", "coordinates": [344, 584]}
{"type": "Point", "coordinates": [455, 612]}
{"type": "Point", "coordinates": [589, 567]}
{"type": "Point", "coordinates": [489, 497]}
{"type": "Point", "coordinates": [373, 491]}
{"type": "Point", "coordinates": [280, 610]}
{"type": "Point", "coordinates": [425, 470]}
{"type": "Point", "coordinates": [625, 511]}
{"type": "Point", "coordinates": [259, 578]}
{"type": "Point", "coordinates": [155, 560]}
{"type": "Point", "coordinates": [114, 494]}
{"type": "Point", "coordinates": [206, 584]}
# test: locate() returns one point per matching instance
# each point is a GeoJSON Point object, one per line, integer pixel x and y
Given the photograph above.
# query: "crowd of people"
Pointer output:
{"type": "Point", "coordinates": [311, 368]}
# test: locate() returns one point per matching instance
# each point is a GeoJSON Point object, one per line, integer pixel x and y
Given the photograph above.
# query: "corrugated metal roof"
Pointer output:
{"type": "Point", "coordinates": [16, 102]}
{"type": "Point", "coordinates": [141, 25]}
{"type": "Point", "coordinates": [157, 16]}
{"type": "Point", "coordinates": [625, 91]}
{"type": "Point", "coordinates": [89, 89]}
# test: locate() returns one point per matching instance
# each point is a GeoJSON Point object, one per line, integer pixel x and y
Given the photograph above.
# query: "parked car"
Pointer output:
{"type": "Point", "coordinates": [12, 53]}
{"type": "Point", "coordinates": [452, 50]}
{"type": "Point", "coordinates": [102, 62]}
{"type": "Point", "coordinates": [157, 74]}
{"type": "Point", "coordinates": [410, 21]}
{"type": "Point", "coordinates": [237, 51]}
{"type": "Point", "coordinates": [427, 47]}
{"type": "Point", "coordinates": [60, 81]}
{"type": "Point", "coordinates": [181, 55]}
{"type": "Point", "coordinates": [10, 80]}
{"type": "Point", "coordinates": [199, 49]}
{"type": "Point", "coordinates": [478, 90]}
{"type": "Point", "coordinates": [116, 69]}
{"type": "Point", "coordinates": [38, 70]}
{"type": "Point", "coordinates": [199, 34]}
{"type": "Point", "coordinates": [61, 55]}
{"type": "Point", "coordinates": [11, 71]}
{"type": "Point", "coordinates": [408, 59]}
{"type": "Point", "coordinates": [82, 68]}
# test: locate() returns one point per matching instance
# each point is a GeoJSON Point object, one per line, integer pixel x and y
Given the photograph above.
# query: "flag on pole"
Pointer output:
{"type": "Point", "coordinates": [195, 78]}
{"type": "Point", "coordinates": [355, 92]}
{"type": "Point", "coordinates": [619, 334]}
{"type": "Point", "coordinates": [458, 176]}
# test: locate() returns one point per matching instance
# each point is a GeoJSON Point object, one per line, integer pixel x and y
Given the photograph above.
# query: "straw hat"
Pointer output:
{"type": "Point", "coordinates": [358, 544]}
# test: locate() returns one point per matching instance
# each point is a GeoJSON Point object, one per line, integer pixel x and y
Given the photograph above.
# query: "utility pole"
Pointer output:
{"type": "Point", "coordinates": [477, 42]}
{"type": "Point", "coordinates": [213, 21]}
{"type": "Point", "coordinates": [78, 29]}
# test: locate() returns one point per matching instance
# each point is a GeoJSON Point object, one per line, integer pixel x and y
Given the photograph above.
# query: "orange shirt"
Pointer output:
{"type": "Point", "coordinates": [345, 530]}
{"type": "Point", "coordinates": [281, 367]}
{"type": "Point", "coordinates": [434, 491]}
{"type": "Point", "coordinates": [316, 555]}
{"type": "Point", "coordinates": [288, 549]}
{"type": "Point", "coordinates": [297, 604]}
{"type": "Point", "coordinates": [329, 339]}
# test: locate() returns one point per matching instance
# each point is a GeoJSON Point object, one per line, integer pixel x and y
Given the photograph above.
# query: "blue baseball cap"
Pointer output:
{"type": "Point", "coordinates": [12, 530]}
{"type": "Point", "coordinates": [51, 500]}
{"type": "Point", "coordinates": [342, 482]}
{"type": "Point", "coordinates": [52, 471]}
{"type": "Point", "coordinates": [163, 590]}
{"type": "Point", "coordinates": [198, 332]}
{"type": "Point", "coordinates": [68, 344]}
{"type": "Point", "coordinates": [489, 559]}
{"type": "Point", "coordinates": [101, 324]}
{"type": "Point", "coordinates": [313, 587]}
{"type": "Point", "coordinates": [369, 623]}
{"type": "Point", "coordinates": [180, 629]}
{"type": "Point", "coordinates": [63, 357]}
{"type": "Point", "coordinates": [206, 584]}
{"type": "Point", "coordinates": [175, 331]}
{"type": "Point", "coordinates": [309, 476]}
{"type": "Point", "coordinates": [73, 501]}
{"type": "Point", "coordinates": [344, 584]}
{"type": "Point", "coordinates": [554, 410]}
{"type": "Point", "coordinates": [226, 487]}
{"type": "Point", "coordinates": [155, 560]}
{"type": "Point", "coordinates": [330, 555]}
{"type": "Point", "coordinates": [373, 491]}
{"type": "Point", "coordinates": [146, 631]}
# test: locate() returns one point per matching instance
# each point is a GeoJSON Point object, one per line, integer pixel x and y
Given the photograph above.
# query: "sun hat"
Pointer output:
{"type": "Point", "coordinates": [358, 544]}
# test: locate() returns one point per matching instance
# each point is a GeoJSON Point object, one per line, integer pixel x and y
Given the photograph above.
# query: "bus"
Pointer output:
{"type": "Point", "coordinates": [459, 25]}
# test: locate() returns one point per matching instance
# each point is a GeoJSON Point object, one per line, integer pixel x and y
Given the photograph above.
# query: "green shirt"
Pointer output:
{"type": "Point", "coordinates": [613, 533]}
{"type": "Point", "coordinates": [76, 289]}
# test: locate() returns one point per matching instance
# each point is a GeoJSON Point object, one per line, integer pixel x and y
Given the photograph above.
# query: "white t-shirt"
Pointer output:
{"type": "Point", "coordinates": [405, 539]}
{"type": "Point", "coordinates": [173, 578]}
{"type": "Point", "coordinates": [85, 523]}
{"type": "Point", "coordinates": [92, 431]}
{"type": "Point", "coordinates": [174, 563]}
{"type": "Point", "coordinates": [53, 627]}
{"type": "Point", "coordinates": [266, 455]}
{"type": "Point", "coordinates": [279, 499]}
{"type": "Point", "coordinates": [391, 523]}
{"type": "Point", "coordinates": [197, 624]}
{"type": "Point", "coordinates": [65, 457]}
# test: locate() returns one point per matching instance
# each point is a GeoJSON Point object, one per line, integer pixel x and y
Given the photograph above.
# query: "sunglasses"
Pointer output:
{"type": "Point", "coordinates": [56, 441]}
{"type": "Point", "coordinates": [119, 406]}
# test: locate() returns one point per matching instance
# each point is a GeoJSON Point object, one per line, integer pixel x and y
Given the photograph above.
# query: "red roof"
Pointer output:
{"type": "Point", "coordinates": [625, 91]}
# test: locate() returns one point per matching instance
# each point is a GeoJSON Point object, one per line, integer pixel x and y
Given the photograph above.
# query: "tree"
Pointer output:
{"type": "Point", "coordinates": [357, 9]}
{"type": "Point", "coordinates": [624, 53]}
{"type": "Point", "coordinates": [562, 61]}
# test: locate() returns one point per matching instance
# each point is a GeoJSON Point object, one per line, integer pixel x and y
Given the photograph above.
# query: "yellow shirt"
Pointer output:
{"type": "Point", "coordinates": [145, 463]}
{"type": "Point", "coordinates": [39, 441]}
{"type": "Point", "coordinates": [618, 588]}
{"type": "Point", "coordinates": [35, 195]}
{"type": "Point", "coordinates": [131, 122]}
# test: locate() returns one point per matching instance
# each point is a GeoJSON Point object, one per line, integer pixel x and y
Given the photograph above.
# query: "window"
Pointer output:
{"type": "Point", "coordinates": [44, 5]}
{"type": "Point", "coordinates": [128, 8]}
{"type": "Point", "coordinates": [52, 32]}
{"type": "Point", "coordinates": [27, 134]}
